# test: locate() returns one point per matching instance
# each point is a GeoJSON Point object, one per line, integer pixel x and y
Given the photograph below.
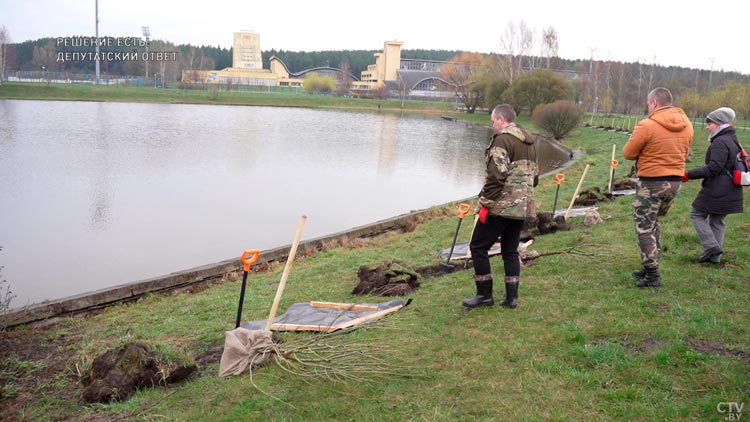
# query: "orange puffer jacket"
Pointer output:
{"type": "Point", "coordinates": [660, 143]}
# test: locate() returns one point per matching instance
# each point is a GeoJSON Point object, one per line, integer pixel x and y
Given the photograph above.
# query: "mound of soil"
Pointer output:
{"type": "Point", "coordinates": [388, 279]}
{"type": "Point", "coordinates": [624, 184]}
{"type": "Point", "coordinates": [592, 196]}
{"type": "Point", "coordinates": [545, 224]}
{"type": "Point", "coordinates": [117, 374]}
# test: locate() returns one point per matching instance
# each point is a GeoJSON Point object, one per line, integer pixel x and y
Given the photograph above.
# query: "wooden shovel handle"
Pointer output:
{"type": "Point", "coordinates": [580, 182]}
{"type": "Point", "coordinates": [285, 274]}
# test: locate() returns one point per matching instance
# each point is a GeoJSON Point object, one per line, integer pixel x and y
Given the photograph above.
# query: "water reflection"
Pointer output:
{"type": "Point", "coordinates": [99, 194]}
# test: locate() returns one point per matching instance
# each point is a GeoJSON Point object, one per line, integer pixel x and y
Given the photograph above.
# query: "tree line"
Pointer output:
{"type": "Point", "coordinates": [32, 55]}
{"type": "Point", "coordinates": [597, 86]}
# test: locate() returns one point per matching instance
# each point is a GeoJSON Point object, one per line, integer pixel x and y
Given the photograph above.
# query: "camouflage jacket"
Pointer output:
{"type": "Point", "coordinates": [511, 174]}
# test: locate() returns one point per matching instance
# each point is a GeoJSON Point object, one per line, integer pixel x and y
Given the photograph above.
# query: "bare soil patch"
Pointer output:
{"type": "Point", "coordinates": [28, 357]}
{"type": "Point", "coordinates": [716, 348]}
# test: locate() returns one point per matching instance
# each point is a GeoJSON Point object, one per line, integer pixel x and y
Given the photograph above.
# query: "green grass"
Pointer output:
{"type": "Point", "coordinates": [584, 344]}
{"type": "Point", "coordinates": [80, 92]}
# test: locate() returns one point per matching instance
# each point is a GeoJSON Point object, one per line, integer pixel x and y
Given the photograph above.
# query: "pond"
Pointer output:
{"type": "Point", "coordinates": [96, 195]}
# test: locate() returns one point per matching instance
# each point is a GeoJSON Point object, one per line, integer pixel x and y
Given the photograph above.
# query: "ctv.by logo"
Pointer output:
{"type": "Point", "coordinates": [732, 410]}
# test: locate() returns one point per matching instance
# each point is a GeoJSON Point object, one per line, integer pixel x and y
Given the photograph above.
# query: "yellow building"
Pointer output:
{"type": "Point", "coordinates": [246, 51]}
{"type": "Point", "coordinates": [389, 73]}
{"type": "Point", "coordinates": [385, 69]}
{"type": "Point", "coordinates": [247, 66]}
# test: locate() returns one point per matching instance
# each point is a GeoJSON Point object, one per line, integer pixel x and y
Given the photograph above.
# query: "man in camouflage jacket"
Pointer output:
{"type": "Point", "coordinates": [506, 200]}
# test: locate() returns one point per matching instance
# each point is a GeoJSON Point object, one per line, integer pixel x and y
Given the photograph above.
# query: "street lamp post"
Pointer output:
{"type": "Point", "coordinates": [146, 31]}
{"type": "Point", "coordinates": [97, 70]}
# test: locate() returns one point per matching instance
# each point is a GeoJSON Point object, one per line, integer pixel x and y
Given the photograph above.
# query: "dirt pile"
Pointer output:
{"type": "Point", "coordinates": [594, 195]}
{"type": "Point", "coordinates": [117, 374]}
{"type": "Point", "coordinates": [388, 279]}
{"type": "Point", "coordinates": [544, 224]}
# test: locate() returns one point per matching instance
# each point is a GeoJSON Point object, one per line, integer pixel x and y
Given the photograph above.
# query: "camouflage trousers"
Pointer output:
{"type": "Point", "coordinates": [652, 201]}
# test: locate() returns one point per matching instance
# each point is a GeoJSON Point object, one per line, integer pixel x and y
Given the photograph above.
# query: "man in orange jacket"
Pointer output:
{"type": "Point", "coordinates": [660, 145]}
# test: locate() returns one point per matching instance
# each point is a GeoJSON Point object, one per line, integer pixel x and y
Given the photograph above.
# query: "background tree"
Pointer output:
{"type": "Point", "coordinates": [192, 63]}
{"type": "Point", "coordinates": [193, 60]}
{"type": "Point", "coordinates": [44, 59]}
{"type": "Point", "coordinates": [516, 42]}
{"type": "Point", "coordinates": [541, 86]}
{"type": "Point", "coordinates": [316, 83]}
{"type": "Point", "coordinates": [381, 92]}
{"type": "Point", "coordinates": [165, 71]}
{"type": "Point", "coordinates": [550, 45]}
{"type": "Point", "coordinates": [493, 92]}
{"type": "Point", "coordinates": [404, 88]}
{"type": "Point", "coordinates": [461, 72]}
{"type": "Point", "coordinates": [4, 41]}
{"type": "Point", "coordinates": [691, 102]}
{"type": "Point", "coordinates": [345, 84]}
{"type": "Point", "coordinates": [558, 118]}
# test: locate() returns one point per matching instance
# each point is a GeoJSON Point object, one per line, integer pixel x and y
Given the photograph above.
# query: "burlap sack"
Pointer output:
{"type": "Point", "coordinates": [245, 348]}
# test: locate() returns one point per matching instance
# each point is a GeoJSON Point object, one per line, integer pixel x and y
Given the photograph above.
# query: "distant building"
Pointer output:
{"type": "Point", "coordinates": [246, 51]}
{"type": "Point", "coordinates": [247, 66]}
{"type": "Point", "coordinates": [420, 78]}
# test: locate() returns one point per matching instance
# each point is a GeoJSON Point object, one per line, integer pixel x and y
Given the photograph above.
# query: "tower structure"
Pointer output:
{"type": "Point", "coordinates": [246, 51]}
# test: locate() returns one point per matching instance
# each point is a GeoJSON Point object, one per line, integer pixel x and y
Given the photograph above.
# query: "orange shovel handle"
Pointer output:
{"type": "Point", "coordinates": [246, 263]}
{"type": "Point", "coordinates": [463, 210]}
{"type": "Point", "coordinates": [559, 177]}
{"type": "Point", "coordinates": [614, 164]}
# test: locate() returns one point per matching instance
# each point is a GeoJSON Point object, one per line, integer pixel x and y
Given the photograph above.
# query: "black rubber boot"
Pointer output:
{"type": "Point", "coordinates": [511, 292]}
{"type": "Point", "coordinates": [484, 293]}
{"type": "Point", "coordinates": [639, 274]}
{"type": "Point", "coordinates": [651, 278]}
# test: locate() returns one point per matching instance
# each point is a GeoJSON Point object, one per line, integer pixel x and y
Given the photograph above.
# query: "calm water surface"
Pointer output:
{"type": "Point", "coordinates": [95, 195]}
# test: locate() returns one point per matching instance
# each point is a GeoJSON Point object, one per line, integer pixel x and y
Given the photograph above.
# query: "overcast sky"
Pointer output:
{"type": "Point", "coordinates": [665, 32]}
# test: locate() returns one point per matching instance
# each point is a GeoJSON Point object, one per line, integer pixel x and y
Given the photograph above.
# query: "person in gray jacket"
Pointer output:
{"type": "Point", "coordinates": [718, 196]}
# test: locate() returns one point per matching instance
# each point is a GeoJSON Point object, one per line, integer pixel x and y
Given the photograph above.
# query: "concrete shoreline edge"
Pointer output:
{"type": "Point", "coordinates": [128, 292]}
{"type": "Point", "coordinates": [91, 301]}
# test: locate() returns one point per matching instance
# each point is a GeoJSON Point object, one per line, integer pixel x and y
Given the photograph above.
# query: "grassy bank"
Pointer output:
{"type": "Point", "coordinates": [72, 92]}
{"type": "Point", "coordinates": [584, 344]}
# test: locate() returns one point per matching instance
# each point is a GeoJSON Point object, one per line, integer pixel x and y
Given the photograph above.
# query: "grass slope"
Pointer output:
{"type": "Point", "coordinates": [584, 344]}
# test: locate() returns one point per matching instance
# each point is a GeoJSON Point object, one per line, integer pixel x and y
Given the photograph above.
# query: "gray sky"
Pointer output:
{"type": "Point", "coordinates": [664, 32]}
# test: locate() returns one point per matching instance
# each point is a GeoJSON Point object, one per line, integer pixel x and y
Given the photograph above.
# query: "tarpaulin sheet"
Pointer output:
{"type": "Point", "coordinates": [326, 316]}
{"type": "Point", "coordinates": [575, 212]}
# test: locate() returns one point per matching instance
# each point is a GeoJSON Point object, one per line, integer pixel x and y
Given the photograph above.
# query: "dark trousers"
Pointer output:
{"type": "Point", "coordinates": [485, 235]}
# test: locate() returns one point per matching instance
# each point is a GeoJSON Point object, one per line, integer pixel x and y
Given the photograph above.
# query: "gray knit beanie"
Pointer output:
{"type": "Point", "coordinates": [721, 115]}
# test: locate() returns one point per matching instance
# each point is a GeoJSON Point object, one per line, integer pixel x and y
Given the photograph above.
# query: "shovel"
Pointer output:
{"type": "Point", "coordinates": [575, 194]}
{"type": "Point", "coordinates": [246, 263]}
{"type": "Point", "coordinates": [613, 164]}
{"type": "Point", "coordinates": [285, 273]}
{"type": "Point", "coordinates": [559, 177]}
{"type": "Point", "coordinates": [463, 211]}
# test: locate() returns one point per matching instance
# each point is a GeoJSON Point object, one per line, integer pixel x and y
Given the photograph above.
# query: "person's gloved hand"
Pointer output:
{"type": "Point", "coordinates": [685, 177]}
{"type": "Point", "coordinates": [483, 211]}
